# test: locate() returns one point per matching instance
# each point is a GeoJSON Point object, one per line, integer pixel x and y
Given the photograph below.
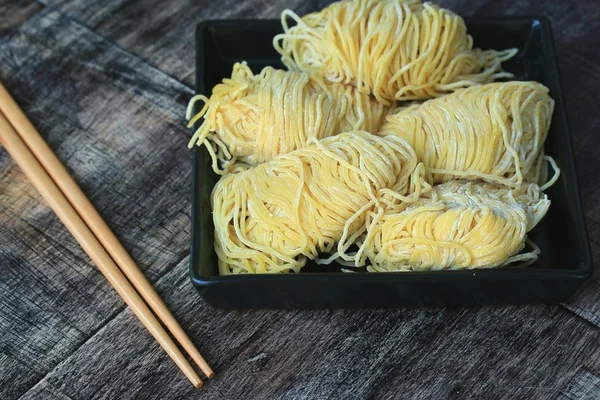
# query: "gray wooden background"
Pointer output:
{"type": "Point", "coordinates": [107, 83]}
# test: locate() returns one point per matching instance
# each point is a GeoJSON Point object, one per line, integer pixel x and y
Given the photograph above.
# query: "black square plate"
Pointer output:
{"type": "Point", "coordinates": [565, 260]}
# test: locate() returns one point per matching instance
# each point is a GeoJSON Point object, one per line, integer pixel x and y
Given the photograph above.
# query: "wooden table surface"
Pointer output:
{"type": "Point", "coordinates": [107, 83]}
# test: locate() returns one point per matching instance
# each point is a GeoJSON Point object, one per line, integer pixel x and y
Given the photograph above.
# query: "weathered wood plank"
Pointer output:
{"type": "Point", "coordinates": [14, 13]}
{"type": "Point", "coordinates": [117, 124]}
{"type": "Point", "coordinates": [583, 386]}
{"type": "Point", "coordinates": [529, 352]}
{"type": "Point", "coordinates": [44, 390]}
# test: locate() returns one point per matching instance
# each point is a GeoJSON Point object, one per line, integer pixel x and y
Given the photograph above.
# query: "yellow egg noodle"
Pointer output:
{"type": "Point", "coordinates": [457, 225]}
{"type": "Point", "coordinates": [393, 49]}
{"type": "Point", "coordinates": [272, 217]}
{"type": "Point", "coordinates": [249, 119]}
{"type": "Point", "coordinates": [494, 132]}
{"type": "Point", "coordinates": [451, 181]}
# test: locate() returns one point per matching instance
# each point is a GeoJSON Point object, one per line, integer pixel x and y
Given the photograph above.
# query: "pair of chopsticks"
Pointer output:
{"type": "Point", "coordinates": [57, 187]}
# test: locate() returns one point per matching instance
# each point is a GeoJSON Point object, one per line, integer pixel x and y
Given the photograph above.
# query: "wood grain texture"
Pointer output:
{"type": "Point", "coordinates": [583, 386]}
{"type": "Point", "coordinates": [14, 13]}
{"type": "Point", "coordinates": [117, 125]}
{"type": "Point", "coordinates": [510, 352]}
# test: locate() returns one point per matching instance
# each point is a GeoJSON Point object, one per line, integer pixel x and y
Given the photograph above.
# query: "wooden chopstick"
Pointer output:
{"type": "Point", "coordinates": [69, 217]}
{"type": "Point", "coordinates": [95, 223]}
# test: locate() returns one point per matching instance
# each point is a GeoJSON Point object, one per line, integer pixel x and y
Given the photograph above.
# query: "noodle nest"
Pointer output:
{"type": "Point", "coordinates": [271, 218]}
{"type": "Point", "coordinates": [392, 49]}
{"type": "Point", "coordinates": [250, 119]}
{"type": "Point", "coordinates": [457, 225]}
{"type": "Point", "coordinates": [494, 132]}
